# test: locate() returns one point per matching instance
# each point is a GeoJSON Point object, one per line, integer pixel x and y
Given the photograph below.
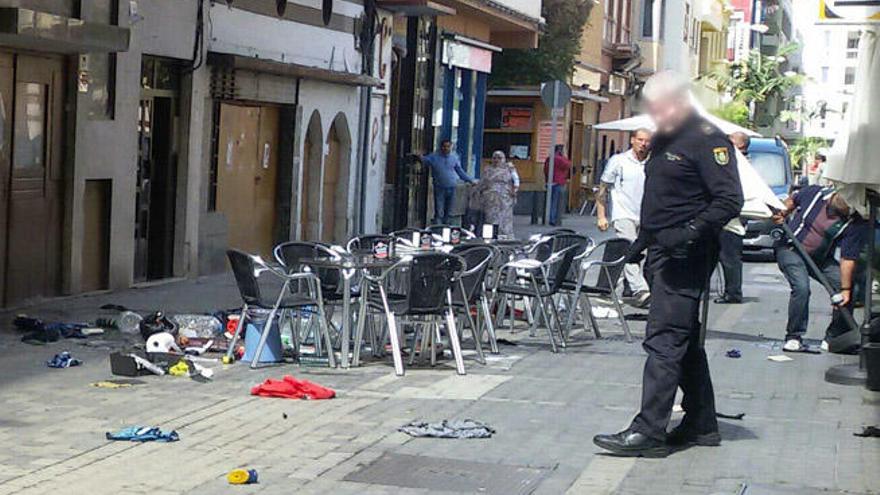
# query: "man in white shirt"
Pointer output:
{"type": "Point", "coordinates": [624, 175]}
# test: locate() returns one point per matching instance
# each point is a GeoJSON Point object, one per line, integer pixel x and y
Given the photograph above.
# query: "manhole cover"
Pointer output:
{"type": "Point", "coordinates": [435, 473]}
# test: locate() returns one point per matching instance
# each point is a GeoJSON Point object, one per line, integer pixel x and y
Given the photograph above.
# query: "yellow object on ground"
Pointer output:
{"type": "Point", "coordinates": [242, 476]}
{"type": "Point", "coordinates": [179, 369]}
{"type": "Point", "coordinates": [106, 384]}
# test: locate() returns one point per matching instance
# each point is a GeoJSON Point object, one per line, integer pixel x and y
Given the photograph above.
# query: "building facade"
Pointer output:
{"type": "Point", "coordinates": [829, 64]}
{"type": "Point", "coordinates": [443, 56]}
{"type": "Point", "coordinates": [147, 137]}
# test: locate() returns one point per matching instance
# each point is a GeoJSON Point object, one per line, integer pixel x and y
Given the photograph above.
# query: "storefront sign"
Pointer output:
{"type": "Point", "coordinates": [467, 56]}
{"type": "Point", "coordinates": [545, 138]}
{"type": "Point", "coordinates": [516, 118]}
{"type": "Point", "coordinates": [849, 11]}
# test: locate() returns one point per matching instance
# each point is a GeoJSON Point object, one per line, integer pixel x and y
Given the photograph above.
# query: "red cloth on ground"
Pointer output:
{"type": "Point", "coordinates": [291, 388]}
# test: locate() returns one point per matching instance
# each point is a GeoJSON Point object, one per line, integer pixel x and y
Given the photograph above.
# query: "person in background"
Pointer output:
{"type": "Point", "coordinates": [446, 171]}
{"type": "Point", "coordinates": [499, 184]}
{"type": "Point", "coordinates": [730, 241]}
{"type": "Point", "coordinates": [624, 175]}
{"type": "Point", "coordinates": [561, 174]}
{"type": "Point", "coordinates": [816, 169]}
{"type": "Point", "coordinates": [823, 222]}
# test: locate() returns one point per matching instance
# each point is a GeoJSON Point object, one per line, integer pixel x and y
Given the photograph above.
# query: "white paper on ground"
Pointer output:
{"type": "Point", "coordinates": [780, 358]}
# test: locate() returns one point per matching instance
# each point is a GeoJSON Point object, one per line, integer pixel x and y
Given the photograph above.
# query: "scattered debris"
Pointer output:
{"type": "Point", "coordinates": [734, 353]}
{"type": "Point", "coordinates": [63, 360]}
{"type": "Point", "coordinates": [779, 358]}
{"type": "Point", "coordinates": [119, 383]}
{"type": "Point", "coordinates": [737, 416]}
{"type": "Point", "coordinates": [868, 431]}
{"type": "Point", "coordinates": [464, 428]}
{"type": "Point", "coordinates": [291, 388]}
{"type": "Point", "coordinates": [179, 369]}
{"type": "Point", "coordinates": [143, 434]}
{"type": "Point", "coordinates": [242, 476]}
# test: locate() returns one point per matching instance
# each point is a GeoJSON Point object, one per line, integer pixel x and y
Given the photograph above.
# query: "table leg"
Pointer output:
{"type": "Point", "coordinates": [346, 320]}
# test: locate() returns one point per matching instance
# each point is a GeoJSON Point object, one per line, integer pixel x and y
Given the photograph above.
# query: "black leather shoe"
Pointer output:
{"type": "Point", "coordinates": [629, 443]}
{"type": "Point", "coordinates": [683, 436]}
{"type": "Point", "coordinates": [728, 300]}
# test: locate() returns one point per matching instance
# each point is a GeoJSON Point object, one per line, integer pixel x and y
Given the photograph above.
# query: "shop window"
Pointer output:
{"type": "Point", "coordinates": [516, 145]}
{"type": "Point", "coordinates": [507, 116]}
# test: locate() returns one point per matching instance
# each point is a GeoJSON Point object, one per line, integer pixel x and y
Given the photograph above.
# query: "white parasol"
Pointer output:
{"type": "Point", "coordinates": [852, 163]}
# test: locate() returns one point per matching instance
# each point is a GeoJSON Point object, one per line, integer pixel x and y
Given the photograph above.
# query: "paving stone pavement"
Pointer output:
{"type": "Point", "coordinates": [796, 436]}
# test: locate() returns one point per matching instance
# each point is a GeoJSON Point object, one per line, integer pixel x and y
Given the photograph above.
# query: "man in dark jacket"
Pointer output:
{"type": "Point", "coordinates": [692, 189]}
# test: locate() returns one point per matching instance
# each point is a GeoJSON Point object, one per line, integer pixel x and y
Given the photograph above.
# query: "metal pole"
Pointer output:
{"type": "Point", "coordinates": [869, 277]}
{"type": "Point", "coordinates": [552, 164]}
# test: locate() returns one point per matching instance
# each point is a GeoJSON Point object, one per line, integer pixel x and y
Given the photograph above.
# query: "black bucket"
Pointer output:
{"type": "Point", "coordinates": [872, 366]}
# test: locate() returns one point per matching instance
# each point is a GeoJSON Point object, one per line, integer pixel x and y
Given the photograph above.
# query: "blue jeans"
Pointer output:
{"type": "Point", "coordinates": [555, 198]}
{"type": "Point", "coordinates": [443, 199]}
{"type": "Point", "coordinates": [798, 276]}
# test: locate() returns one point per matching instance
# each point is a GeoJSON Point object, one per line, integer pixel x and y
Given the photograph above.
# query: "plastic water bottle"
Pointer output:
{"type": "Point", "coordinates": [129, 322]}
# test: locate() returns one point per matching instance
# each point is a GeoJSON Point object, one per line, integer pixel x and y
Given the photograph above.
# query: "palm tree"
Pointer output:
{"type": "Point", "coordinates": [758, 78]}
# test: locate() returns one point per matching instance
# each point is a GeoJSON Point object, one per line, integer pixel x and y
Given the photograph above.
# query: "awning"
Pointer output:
{"type": "Point", "coordinates": [576, 94]}
{"type": "Point", "coordinates": [415, 8]}
{"type": "Point", "coordinates": [853, 162]}
{"type": "Point", "coordinates": [644, 121]}
{"type": "Point", "coordinates": [40, 31]}
{"type": "Point", "coordinates": [291, 70]}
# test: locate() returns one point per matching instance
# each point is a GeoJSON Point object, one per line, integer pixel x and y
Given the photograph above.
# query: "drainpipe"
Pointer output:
{"type": "Point", "coordinates": [367, 37]}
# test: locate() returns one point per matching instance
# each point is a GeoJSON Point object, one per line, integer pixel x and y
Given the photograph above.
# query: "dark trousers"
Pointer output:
{"type": "Point", "coordinates": [798, 275]}
{"type": "Point", "coordinates": [672, 341]}
{"type": "Point", "coordinates": [556, 191]}
{"type": "Point", "coordinates": [443, 199]}
{"type": "Point", "coordinates": [730, 256]}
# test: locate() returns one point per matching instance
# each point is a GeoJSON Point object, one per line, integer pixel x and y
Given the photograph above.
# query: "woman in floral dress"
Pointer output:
{"type": "Point", "coordinates": [499, 183]}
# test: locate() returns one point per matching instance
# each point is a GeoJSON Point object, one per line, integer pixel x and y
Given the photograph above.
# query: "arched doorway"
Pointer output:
{"type": "Point", "coordinates": [311, 179]}
{"type": "Point", "coordinates": [334, 214]}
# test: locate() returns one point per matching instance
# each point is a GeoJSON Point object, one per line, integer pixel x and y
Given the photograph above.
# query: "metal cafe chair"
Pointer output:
{"type": "Point", "coordinates": [247, 269]}
{"type": "Point", "coordinates": [470, 292]}
{"type": "Point", "coordinates": [540, 280]}
{"type": "Point", "coordinates": [610, 268]}
{"type": "Point", "coordinates": [424, 298]}
{"type": "Point", "coordinates": [290, 254]}
{"type": "Point", "coordinates": [541, 250]}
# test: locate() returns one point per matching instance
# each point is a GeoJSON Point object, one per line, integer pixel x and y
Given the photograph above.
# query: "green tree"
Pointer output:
{"type": "Point", "coordinates": [733, 111]}
{"type": "Point", "coordinates": [804, 150]}
{"type": "Point", "coordinates": [558, 47]}
{"type": "Point", "coordinates": [758, 79]}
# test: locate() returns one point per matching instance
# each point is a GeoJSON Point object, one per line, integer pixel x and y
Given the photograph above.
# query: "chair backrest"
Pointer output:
{"type": "Point", "coordinates": [559, 269]}
{"type": "Point", "coordinates": [364, 244]}
{"type": "Point", "coordinates": [477, 261]}
{"type": "Point", "coordinates": [430, 277]}
{"type": "Point", "coordinates": [245, 271]}
{"type": "Point", "coordinates": [614, 250]}
{"type": "Point", "coordinates": [291, 254]}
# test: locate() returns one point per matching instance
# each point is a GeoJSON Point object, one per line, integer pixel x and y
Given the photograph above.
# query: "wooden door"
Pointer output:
{"type": "Point", "coordinates": [265, 179]}
{"type": "Point", "coordinates": [245, 188]}
{"type": "Point", "coordinates": [36, 194]}
{"type": "Point", "coordinates": [331, 183]}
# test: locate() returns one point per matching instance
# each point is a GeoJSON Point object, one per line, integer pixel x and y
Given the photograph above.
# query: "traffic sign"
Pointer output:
{"type": "Point", "coordinates": [555, 94]}
{"type": "Point", "coordinates": [849, 11]}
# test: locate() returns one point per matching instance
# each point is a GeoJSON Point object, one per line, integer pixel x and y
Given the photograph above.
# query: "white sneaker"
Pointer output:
{"type": "Point", "coordinates": [793, 345]}
{"type": "Point", "coordinates": [824, 346]}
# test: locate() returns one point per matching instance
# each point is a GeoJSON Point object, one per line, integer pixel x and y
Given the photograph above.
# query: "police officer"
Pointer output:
{"type": "Point", "coordinates": [692, 189]}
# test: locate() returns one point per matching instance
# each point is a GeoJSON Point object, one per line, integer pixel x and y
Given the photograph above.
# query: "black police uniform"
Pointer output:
{"type": "Point", "coordinates": [692, 189]}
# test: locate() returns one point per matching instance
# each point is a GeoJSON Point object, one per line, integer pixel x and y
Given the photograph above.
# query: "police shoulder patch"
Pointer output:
{"type": "Point", "coordinates": [722, 157]}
